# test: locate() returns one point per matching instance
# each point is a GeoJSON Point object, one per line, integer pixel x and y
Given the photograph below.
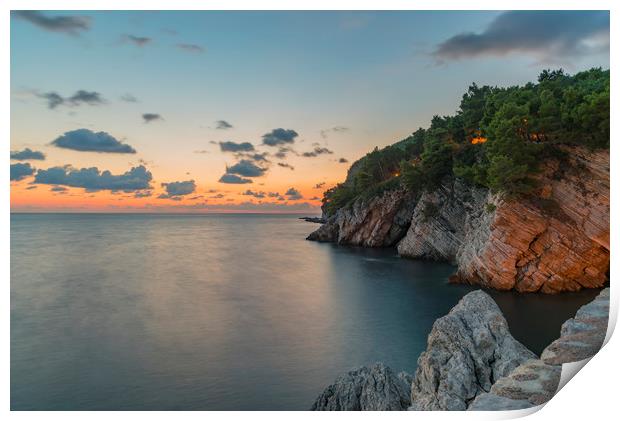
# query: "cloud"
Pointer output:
{"type": "Point", "coordinates": [191, 48]}
{"type": "Point", "coordinates": [279, 137]}
{"type": "Point", "coordinates": [177, 188]}
{"type": "Point", "coordinates": [283, 151]}
{"type": "Point", "coordinates": [88, 141]}
{"type": "Point", "coordinates": [91, 179]}
{"type": "Point", "coordinates": [343, 160]}
{"type": "Point", "coordinates": [257, 194]}
{"type": "Point", "coordinates": [544, 34]}
{"type": "Point", "coordinates": [223, 125]}
{"type": "Point", "coordinates": [259, 157]}
{"type": "Point", "coordinates": [142, 193]}
{"type": "Point", "coordinates": [217, 196]}
{"type": "Point", "coordinates": [149, 117]}
{"type": "Point", "coordinates": [246, 168]}
{"type": "Point", "coordinates": [71, 25]}
{"type": "Point", "coordinates": [319, 185]}
{"type": "Point", "coordinates": [202, 151]}
{"type": "Point", "coordinates": [129, 98]}
{"type": "Point", "coordinates": [59, 189]}
{"type": "Point", "coordinates": [316, 152]}
{"type": "Point", "coordinates": [31, 187]}
{"type": "Point", "coordinates": [138, 41]}
{"type": "Point", "coordinates": [27, 154]}
{"type": "Point", "coordinates": [20, 171]}
{"type": "Point", "coordinates": [293, 194]}
{"type": "Point", "coordinates": [229, 146]}
{"type": "Point", "coordinates": [53, 99]}
{"type": "Point", "coordinates": [233, 179]}
{"type": "Point", "coordinates": [285, 165]}
{"type": "Point", "coordinates": [80, 97]}
{"type": "Point", "coordinates": [336, 129]}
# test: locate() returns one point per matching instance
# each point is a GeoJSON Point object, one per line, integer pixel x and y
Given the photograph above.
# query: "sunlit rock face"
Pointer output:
{"type": "Point", "coordinates": [556, 241]}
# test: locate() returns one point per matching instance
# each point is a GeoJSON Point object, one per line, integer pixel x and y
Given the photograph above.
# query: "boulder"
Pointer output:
{"type": "Point", "coordinates": [369, 388]}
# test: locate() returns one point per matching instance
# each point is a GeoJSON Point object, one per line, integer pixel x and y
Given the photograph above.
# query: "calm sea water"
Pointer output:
{"type": "Point", "coordinates": [206, 312]}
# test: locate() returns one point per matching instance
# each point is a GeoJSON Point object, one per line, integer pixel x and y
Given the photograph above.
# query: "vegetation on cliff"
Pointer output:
{"type": "Point", "coordinates": [497, 139]}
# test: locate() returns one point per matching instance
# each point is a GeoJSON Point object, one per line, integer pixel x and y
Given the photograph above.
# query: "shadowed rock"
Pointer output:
{"type": "Point", "coordinates": [374, 388]}
{"type": "Point", "coordinates": [468, 350]}
{"type": "Point", "coordinates": [532, 383]}
{"type": "Point", "coordinates": [582, 336]}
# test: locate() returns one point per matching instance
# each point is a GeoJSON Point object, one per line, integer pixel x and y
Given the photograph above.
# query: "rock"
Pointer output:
{"type": "Point", "coordinates": [443, 219]}
{"type": "Point", "coordinates": [582, 336]}
{"type": "Point", "coordinates": [377, 222]}
{"type": "Point", "coordinates": [557, 240]}
{"type": "Point", "coordinates": [374, 388]}
{"type": "Point", "coordinates": [314, 219]}
{"type": "Point", "coordinates": [532, 383]}
{"type": "Point", "coordinates": [468, 350]}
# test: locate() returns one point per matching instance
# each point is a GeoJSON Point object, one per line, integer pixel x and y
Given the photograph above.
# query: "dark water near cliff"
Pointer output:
{"type": "Point", "coordinates": [218, 311]}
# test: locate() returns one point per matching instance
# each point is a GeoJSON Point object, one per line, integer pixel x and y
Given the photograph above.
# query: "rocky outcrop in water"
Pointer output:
{"type": "Point", "coordinates": [374, 388]}
{"type": "Point", "coordinates": [377, 222]}
{"type": "Point", "coordinates": [468, 350]}
{"type": "Point", "coordinates": [555, 240]}
{"type": "Point", "coordinates": [536, 381]}
{"type": "Point", "coordinates": [472, 362]}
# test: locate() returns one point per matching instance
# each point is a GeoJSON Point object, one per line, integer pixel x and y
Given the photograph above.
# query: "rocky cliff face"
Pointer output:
{"type": "Point", "coordinates": [377, 222]}
{"type": "Point", "coordinates": [557, 240]}
{"type": "Point", "coordinates": [468, 350]}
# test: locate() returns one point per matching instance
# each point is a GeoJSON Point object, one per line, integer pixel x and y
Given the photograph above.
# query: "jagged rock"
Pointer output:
{"type": "Point", "coordinates": [556, 241]}
{"type": "Point", "coordinates": [443, 219]}
{"type": "Point", "coordinates": [532, 383]}
{"type": "Point", "coordinates": [377, 222]}
{"type": "Point", "coordinates": [374, 388]}
{"type": "Point", "coordinates": [468, 350]}
{"type": "Point", "coordinates": [582, 336]}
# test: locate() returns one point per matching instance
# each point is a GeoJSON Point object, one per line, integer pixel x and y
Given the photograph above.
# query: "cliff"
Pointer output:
{"type": "Point", "coordinates": [556, 239]}
{"type": "Point", "coordinates": [472, 362]}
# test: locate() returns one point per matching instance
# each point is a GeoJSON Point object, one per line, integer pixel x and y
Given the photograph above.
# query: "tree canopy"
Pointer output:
{"type": "Point", "coordinates": [496, 139]}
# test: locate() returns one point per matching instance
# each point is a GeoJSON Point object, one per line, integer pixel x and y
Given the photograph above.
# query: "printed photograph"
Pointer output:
{"type": "Point", "coordinates": [271, 210]}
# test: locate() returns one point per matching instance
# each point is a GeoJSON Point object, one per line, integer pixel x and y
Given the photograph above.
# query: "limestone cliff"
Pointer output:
{"type": "Point", "coordinates": [555, 240]}
{"type": "Point", "coordinates": [377, 222]}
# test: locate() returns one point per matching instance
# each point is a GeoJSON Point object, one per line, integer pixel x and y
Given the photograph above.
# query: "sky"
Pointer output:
{"type": "Point", "coordinates": [215, 111]}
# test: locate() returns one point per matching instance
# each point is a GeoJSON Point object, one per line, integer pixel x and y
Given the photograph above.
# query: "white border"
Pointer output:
{"type": "Point", "coordinates": [590, 395]}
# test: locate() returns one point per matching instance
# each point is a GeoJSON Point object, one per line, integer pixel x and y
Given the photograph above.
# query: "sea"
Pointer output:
{"type": "Point", "coordinates": [220, 311]}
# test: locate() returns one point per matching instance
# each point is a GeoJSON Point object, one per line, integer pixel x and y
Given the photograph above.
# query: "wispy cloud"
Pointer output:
{"type": "Point", "coordinates": [71, 25]}
{"type": "Point", "coordinates": [336, 129]}
{"type": "Point", "coordinates": [223, 125]}
{"type": "Point", "coordinates": [542, 33]}
{"type": "Point", "coordinates": [293, 194]}
{"type": "Point", "coordinates": [191, 48]}
{"type": "Point", "coordinates": [138, 40]}
{"type": "Point", "coordinates": [316, 152]}
{"type": "Point", "coordinates": [150, 117]}
{"type": "Point", "coordinates": [81, 97]}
